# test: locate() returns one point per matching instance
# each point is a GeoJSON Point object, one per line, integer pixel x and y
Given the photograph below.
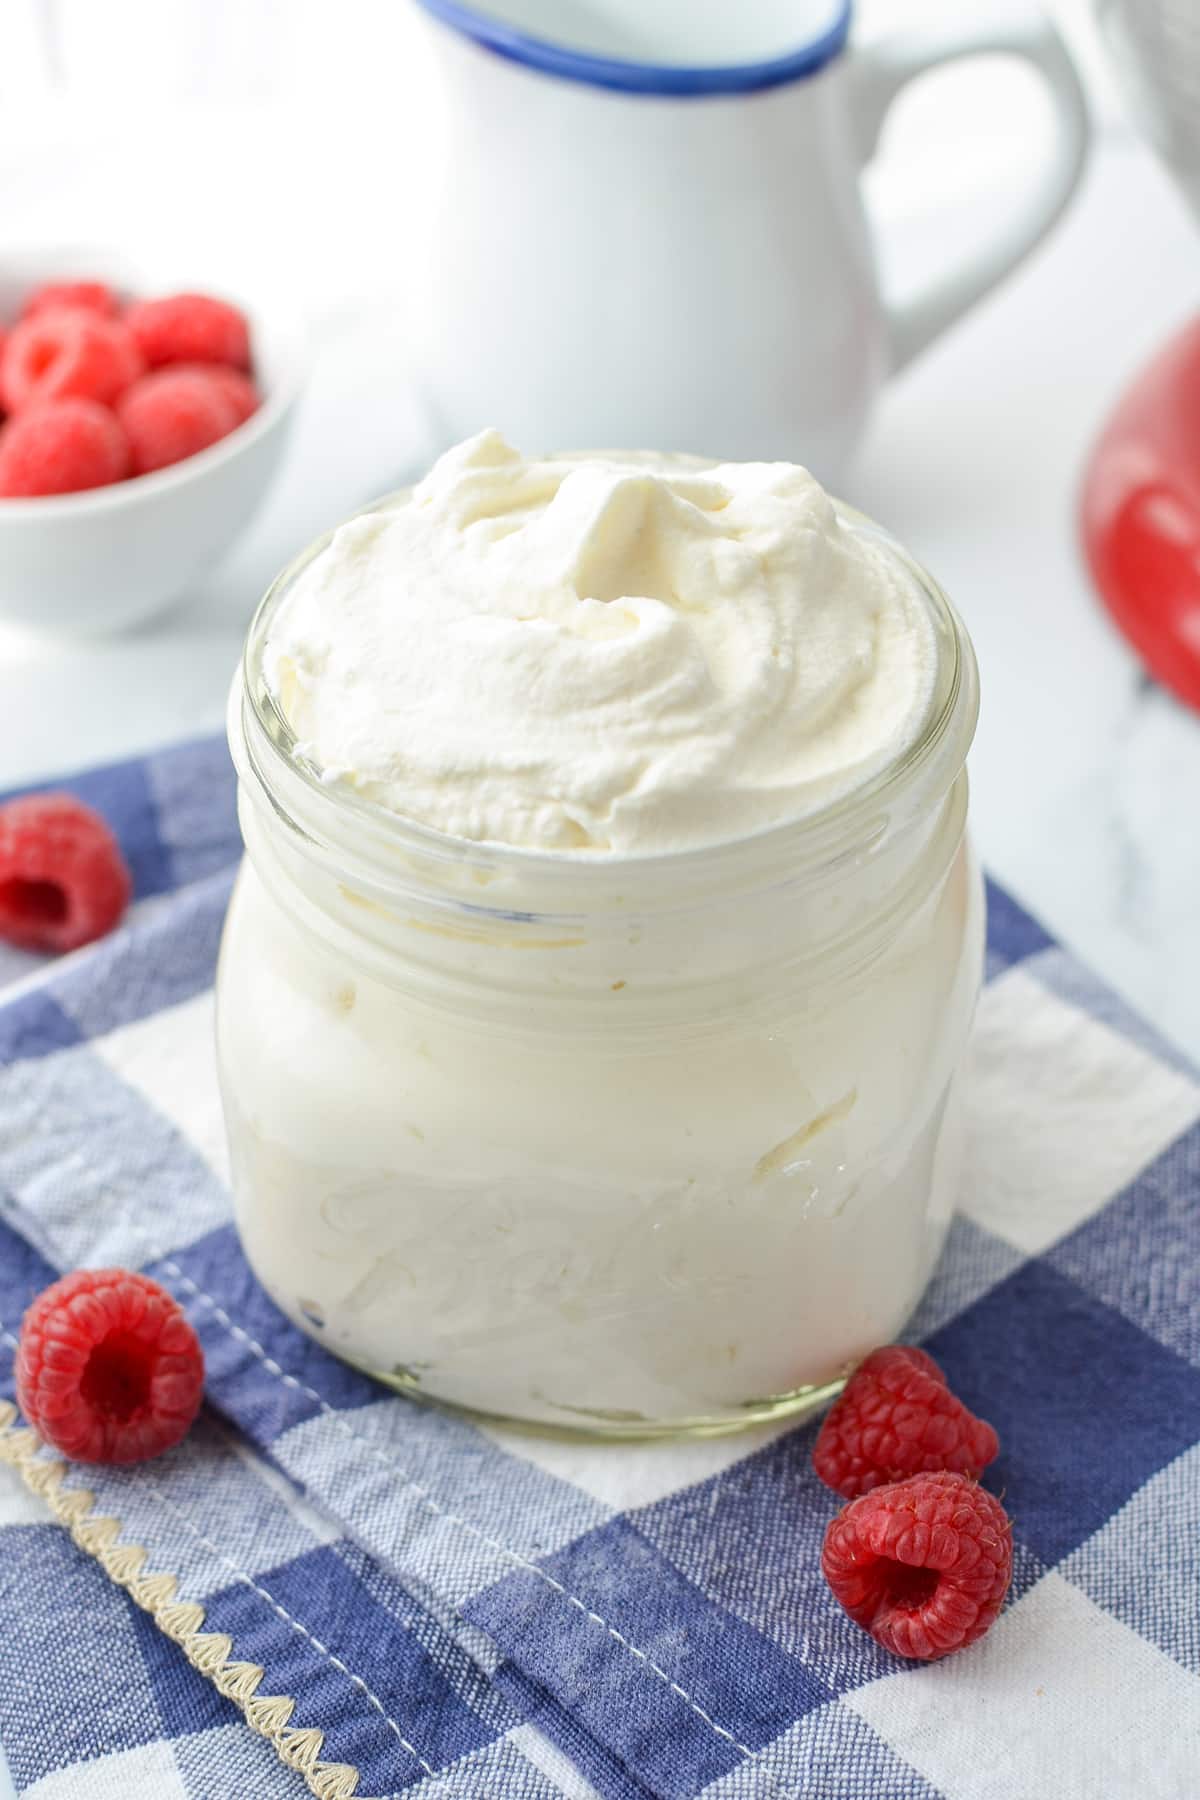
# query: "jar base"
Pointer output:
{"type": "Point", "coordinates": [618, 1427]}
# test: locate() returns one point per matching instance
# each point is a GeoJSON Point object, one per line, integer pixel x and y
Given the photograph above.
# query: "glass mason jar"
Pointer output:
{"type": "Point", "coordinates": [620, 1145]}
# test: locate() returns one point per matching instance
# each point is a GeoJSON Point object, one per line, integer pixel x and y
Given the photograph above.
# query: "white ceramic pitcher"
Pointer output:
{"type": "Point", "coordinates": [649, 230]}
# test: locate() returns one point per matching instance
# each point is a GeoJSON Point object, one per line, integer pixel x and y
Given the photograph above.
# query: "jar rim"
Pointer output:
{"type": "Point", "coordinates": [944, 738]}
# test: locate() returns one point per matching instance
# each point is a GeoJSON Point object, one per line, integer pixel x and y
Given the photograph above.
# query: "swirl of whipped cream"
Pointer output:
{"type": "Point", "coordinates": [620, 653]}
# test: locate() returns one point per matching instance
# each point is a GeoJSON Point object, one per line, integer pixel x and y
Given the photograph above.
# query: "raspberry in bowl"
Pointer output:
{"type": "Point", "coordinates": [142, 420]}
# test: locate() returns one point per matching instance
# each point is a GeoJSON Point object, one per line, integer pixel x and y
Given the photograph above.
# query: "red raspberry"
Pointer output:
{"type": "Point", "coordinates": [63, 880]}
{"type": "Point", "coordinates": [171, 414]}
{"type": "Point", "coordinates": [89, 296]}
{"type": "Point", "coordinates": [897, 1417]}
{"type": "Point", "coordinates": [923, 1564]}
{"type": "Point", "coordinates": [237, 388]}
{"type": "Point", "coordinates": [59, 354]}
{"type": "Point", "coordinates": [109, 1370]}
{"type": "Point", "coordinates": [190, 328]}
{"type": "Point", "coordinates": [61, 447]}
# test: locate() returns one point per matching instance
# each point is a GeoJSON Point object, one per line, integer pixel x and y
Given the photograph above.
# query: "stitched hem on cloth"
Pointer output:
{"type": "Point", "coordinates": [209, 1652]}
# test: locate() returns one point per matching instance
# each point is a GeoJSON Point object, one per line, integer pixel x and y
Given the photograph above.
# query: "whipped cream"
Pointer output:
{"type": "Point", "coordinates": [617, 653]}
{"type": "Point", "coordinates": [602, 1140]}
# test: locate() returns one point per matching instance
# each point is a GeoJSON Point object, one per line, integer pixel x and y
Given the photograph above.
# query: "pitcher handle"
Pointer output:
{"type": "Point", "coordinates": [879, 71]}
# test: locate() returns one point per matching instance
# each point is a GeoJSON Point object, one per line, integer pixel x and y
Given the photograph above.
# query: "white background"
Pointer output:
{"type": "Point", "coordinates": [282, 155]}
{"type": "Point", "coordinates": [277, 147]}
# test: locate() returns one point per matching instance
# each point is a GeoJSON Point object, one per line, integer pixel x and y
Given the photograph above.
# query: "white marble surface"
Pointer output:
{"type": "Point", "coordinates": [1085, 774]}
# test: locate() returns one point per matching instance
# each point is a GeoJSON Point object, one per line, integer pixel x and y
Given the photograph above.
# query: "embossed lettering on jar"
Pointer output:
{"type": "Point", "coordinates": [619, 1143]}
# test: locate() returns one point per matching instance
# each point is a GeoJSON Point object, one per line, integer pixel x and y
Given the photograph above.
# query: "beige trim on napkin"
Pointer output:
{"type": "Point", "coordinates": [211, 1652]}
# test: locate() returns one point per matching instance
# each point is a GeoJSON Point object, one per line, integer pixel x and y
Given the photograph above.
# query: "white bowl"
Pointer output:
{"type": "Point", "coordinates": [109, 557]}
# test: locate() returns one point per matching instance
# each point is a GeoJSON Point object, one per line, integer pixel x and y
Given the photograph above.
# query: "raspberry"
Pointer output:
{"type": "Point", "coordinates": [923, 1564]}
{"type": "Point", "coordinates": [190, 328]}
{"type": "Point", "coordinates": [61, 447]}
{"type": "Point", "coordinates": [237, 388]}
{"type": "Point", "coordinates": [109, 1370]}
{"type": "Point", "coordinates": [63, 880]}
{"type": "Point", "coordinates": [87, 296]}
{"type": "Point", "coordinates": [171, 414]}
{"type": "Point", "coordinates": [897, 1417]}
{"type": "Point", "coordinates": [67, 353]}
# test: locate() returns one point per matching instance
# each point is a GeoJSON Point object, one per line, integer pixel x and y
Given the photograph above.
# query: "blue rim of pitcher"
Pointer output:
{"type": "Point", "coordinates": [678, 80]}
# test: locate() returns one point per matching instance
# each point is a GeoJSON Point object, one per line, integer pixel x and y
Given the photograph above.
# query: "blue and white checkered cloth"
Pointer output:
{"type": "Point", "coordinates": [474, 1615]}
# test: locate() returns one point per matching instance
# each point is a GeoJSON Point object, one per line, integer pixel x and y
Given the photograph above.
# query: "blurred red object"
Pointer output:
{"type": "Point", "coordinates": [1140, 515]}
